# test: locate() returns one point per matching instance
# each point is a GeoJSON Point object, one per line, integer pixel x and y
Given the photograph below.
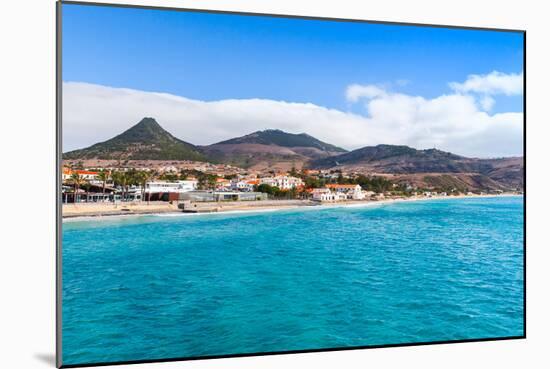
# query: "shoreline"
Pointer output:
{"type": "Point", "coordinates": [166, 209]}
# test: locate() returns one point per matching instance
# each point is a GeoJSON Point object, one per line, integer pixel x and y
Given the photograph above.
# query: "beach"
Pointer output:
{"type": "Point", "coordinates": [92, 210]}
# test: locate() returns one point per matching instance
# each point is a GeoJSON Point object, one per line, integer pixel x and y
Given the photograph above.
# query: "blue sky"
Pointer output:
{"type": "Point", "coordinates": [214, 56]}
{"type": "Point", "coordinates": [350, 83]}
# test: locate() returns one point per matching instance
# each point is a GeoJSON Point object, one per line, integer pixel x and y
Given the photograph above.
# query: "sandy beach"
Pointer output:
{"type": "Point", "coordinates": [130, 208]}
{"type": "Point", "coordinates": [92, 210]}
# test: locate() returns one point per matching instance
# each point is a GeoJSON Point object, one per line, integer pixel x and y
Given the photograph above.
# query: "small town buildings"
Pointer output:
{"type": "Point", "coordinates": [170, 187]}
{"type": "Point", "coordinates": [211, 196]}
{"type": "Point", "coordinates": [326, 194]}
{"type": "Point", "coordinates": [352, 191]}
{"type": "Point", "coordinates": [223, 184]}
{"type": "Point", "coordinates": [282, 182]}
{"type": "Point", "coordinates": [84, 174]}
{"type": "Point", "coordinates": [243, 185]}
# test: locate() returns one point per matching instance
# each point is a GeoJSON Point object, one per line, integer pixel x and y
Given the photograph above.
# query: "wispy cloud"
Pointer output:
{"type": "Point", "coordinates": [494, 83]}
{"type": "Point", "coordinates": [451, 122]}
{"type": "Point", "coordinates": [487, 103]}
{"type": "Point", "coordinates": [356, 92]}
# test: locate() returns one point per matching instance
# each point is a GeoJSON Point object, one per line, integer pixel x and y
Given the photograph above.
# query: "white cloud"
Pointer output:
{"type": "Point", "coordinates": [449, 122]}
{"type": "Point", "coordinates": [355, 92]}
{"type": "Point", "coordinates": [93, 113]}
{"type": "Point", "coordinates": [487, 103]}
{"type": "Point", "coordinates": [494, 83]}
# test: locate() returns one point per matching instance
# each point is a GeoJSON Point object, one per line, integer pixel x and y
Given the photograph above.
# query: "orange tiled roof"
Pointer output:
{"type": "Point", "coordinates": [341, 186]}
{"type": "Point", "coordinates": [69, 171]}
{"type": "Point", "coordinates": [87, 172]}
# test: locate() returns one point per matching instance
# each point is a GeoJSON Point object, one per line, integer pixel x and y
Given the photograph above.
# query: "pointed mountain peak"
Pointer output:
{"type": "Point", "coordinates": [146, 128]}
{"type": "Point", "coordinates": [148, 122]}
{"type": "Point", "coordinates": [146, 140]}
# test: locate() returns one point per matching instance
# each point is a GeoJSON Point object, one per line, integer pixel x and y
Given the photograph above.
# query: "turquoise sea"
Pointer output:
{"type": "Point", "coordinates": [158, 287]}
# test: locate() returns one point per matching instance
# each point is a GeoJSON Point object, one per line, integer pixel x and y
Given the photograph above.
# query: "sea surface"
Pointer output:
{"type": "Point", "coordinates": [158, 287]}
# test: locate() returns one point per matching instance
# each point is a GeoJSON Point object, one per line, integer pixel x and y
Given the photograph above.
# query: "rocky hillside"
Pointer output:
{"type": "Point", "coordinates": [502, 173]}
{"type": "Point", "coordinates": [264, 149]}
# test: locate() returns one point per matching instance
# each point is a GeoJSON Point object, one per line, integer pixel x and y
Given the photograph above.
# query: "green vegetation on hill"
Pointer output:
{"type": "Point", "coordinates": [146, 140]}
{"type": "Point", "coordinates": [402, 159]}
{"type": "Point", "coordinates": [284, 139]}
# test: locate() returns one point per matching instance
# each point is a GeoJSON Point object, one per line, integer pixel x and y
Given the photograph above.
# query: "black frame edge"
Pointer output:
{"type": "Point", "coordinates": [305, 17]}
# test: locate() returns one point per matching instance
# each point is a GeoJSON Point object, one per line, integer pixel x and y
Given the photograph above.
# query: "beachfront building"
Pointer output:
{"type": "Point", "coordinates": [223, 184]}
{"type": "Point", "coordinates": [211, 196]}
{"type": "Point", "coordinates": [84, 174]}
{"type": "Point", "coordinates": [352, 191]}
{"type": "Point", "coordinates": [172, 187]}
{"type": "Point", "coordinates": [88, 192]}
{"type": "Point", "coordinates": [282, 182]}
{"type": "Point", "coordinates": [244, 184]}
{"type": "Point", "coordinates": [326, 194]}
{"type": "Point", "coordinates": [252, 182]}
{"type": "Point", "coordinates": [168, 191]}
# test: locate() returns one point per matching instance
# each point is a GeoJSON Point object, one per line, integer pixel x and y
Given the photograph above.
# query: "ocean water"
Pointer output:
{"type": "Point", "coordinates": [157, 287]}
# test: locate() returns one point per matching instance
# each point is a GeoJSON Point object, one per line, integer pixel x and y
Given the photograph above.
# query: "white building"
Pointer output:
{"type": "Point", "coordinates": [282, 182]}
{"type": "Point", "coordinates": [243, 185]}
{"type": "Point", "coordinates": [167, 187]}
{"type": "Point", "coordinates": [325, 194]}
{"type": "Point", "coordinates": [223, 184]}
{"type": "Point", "coordinates": [352, 192]}
{"type": "Point", "coordinates": [84, 174]}
{"type": "Point", "coordinates": [168, 169]}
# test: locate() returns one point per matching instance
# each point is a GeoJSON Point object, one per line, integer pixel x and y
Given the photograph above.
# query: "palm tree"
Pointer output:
{"type": "Point", "coordinates": [121, 179]}
{"type": "Point", "coordinates": [144, 177]}
{"type": "Point", "coordinates": [77, 182]}
{"type": "Point", "coordinates": [103, 176]}
{"type": "Point", "coordinates": [132, 179]}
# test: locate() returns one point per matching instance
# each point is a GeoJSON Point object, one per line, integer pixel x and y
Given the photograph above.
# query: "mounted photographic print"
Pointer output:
{"type": "Point", "coordinates": [246, 184]}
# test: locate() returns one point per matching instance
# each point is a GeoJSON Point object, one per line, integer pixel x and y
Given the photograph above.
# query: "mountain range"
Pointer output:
{"type": "Point", "coordinates": [409, 163]}
{"type": "Point", "coordinates": [278, 150]}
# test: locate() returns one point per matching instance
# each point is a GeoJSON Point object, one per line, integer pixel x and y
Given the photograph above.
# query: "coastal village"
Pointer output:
{"type": "Point", "coordinates": [147, 170]}
{"type": "Point", "coordinates": [201, 187]}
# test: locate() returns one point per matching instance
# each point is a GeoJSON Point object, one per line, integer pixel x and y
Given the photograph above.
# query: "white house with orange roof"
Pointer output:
{"type": "Point", "coordinates": [282, 182]}
{"type": "Point", "coordinates": [222, 184]}
{"type": "Point", "coordinates": [326, 194]}
{"type": "Point", "coordinates": [84, 174]}
{"type": "Point", "coordinates": [244, 185]}
{"type": "Point", "coordinates": [352, 191]}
